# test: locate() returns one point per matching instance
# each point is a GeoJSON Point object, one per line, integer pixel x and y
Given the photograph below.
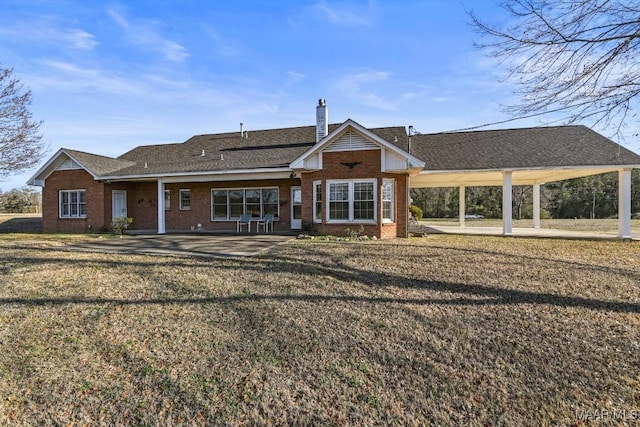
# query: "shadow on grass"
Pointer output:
{"type": "Point", "coordinates": [333, 266]}
{"type": "Point", "coordinates": [484, 295]}
{"type": "Point", "coordinates": [22, 225]}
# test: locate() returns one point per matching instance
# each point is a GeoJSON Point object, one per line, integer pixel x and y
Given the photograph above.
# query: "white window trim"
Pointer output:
{"type": "Point", "coordinates": [351, 219]}
{"type": "Point", "coordinates": [315, 200]}
{"type": "Point", "coordinates": [393, 201]}
{"type": "Point", "coordinates": [60, 204]}
{"type": "Point", "coordinates": [184, 190]}
{"type": "Point", "coordinates": [244, 201]}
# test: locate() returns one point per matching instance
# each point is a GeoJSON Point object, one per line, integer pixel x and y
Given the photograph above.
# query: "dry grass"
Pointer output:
{"type": "Point", "coordinates": [445, 330]}
{"type": "Point", "coordinates": [588, 225]}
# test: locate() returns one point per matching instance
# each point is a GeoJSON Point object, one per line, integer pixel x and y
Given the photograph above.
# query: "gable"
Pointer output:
{"type": "Point", "coordinates": [66, 159]}
{"type": "Point", "coordinates": [350, 136]}
{"type": "Point", "coordinates": [69, 164]}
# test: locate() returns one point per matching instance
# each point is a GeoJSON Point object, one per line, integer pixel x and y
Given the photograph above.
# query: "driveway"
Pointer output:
{"type": "Point", "coordinates": [184, 244]}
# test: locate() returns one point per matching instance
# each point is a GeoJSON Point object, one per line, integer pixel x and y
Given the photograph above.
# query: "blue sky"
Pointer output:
{"type": "Point", "coordinates": [108, 76]}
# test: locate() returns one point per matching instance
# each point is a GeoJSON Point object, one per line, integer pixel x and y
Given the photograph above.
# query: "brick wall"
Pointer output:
{"type": "Point", "coordinates": [143, 204]}
{"type": "Point", "coordinates": [369, 165]}
{"type": "Point", "coordinates": [142, 200]}
{"type": "Point", "coordinates": [76, 179]}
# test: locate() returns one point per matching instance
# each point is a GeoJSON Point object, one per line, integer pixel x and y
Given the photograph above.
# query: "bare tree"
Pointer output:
{"type": "Point", "coordinates": [21, 145]}
{"type": "Point", "coordinates": [579, 58]}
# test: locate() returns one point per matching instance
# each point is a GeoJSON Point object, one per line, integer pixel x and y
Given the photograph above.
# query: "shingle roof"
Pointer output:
{"type": "Point", "coordinates": [263, 149]}
{"type": "Point", "coordinates": [540, 147]}
{"type": "Point", "coordinates": [98, 165]}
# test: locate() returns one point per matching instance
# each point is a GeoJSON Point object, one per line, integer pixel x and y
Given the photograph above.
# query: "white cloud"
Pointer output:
{"type": "Point", "coordinates": [145, 33]}
{"type": "Point", "coordinates": [360, 86]}
{"type": "Point", "coordinates": [47, 30]}
{"type": "Point", "coordinates": [81, 39]}
{"type": "Point", "coordinates": [345, 15]}
{"type": "Point", "coordinates": [71, 78]}
{"type": "Point", "coordinates": [294, 77]}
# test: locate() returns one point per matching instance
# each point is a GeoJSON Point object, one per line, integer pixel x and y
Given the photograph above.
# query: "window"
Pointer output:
{"type": "Point", "coordinates": [351, 201]}
{"type": "Point", "coordinates": [236, 203]}
{"type": "Point", "coordinates": [339, 200]}
{"type": "Point", "coordinates": [167, 200]}
{"type": "Point", "coordinates": [230, 204]}
{"type": "Point", "coordinates": [252, 202]}
{"type": "Point", "coordinates": [73, 204]}
{"type": "Point", "coordinates": [363, 201]}
{"type": "Point", "coordinates": [270, 201]}
{"type": "Point", "coordinates": [185, 200]}
{"type": "Point", "coordinates": [317, 201]}
{"type": "Point", "coordinates": [387, 200]}
{"type": "Point", "coordinates": [220, 208]}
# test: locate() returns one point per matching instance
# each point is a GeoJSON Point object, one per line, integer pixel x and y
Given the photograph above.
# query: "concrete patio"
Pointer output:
{"type": "Point", "coordinates": [211, 245]}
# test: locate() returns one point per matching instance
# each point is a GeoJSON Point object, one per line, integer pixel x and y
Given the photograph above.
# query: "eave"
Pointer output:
{"type": "Point", "coordinates": [520, 176]}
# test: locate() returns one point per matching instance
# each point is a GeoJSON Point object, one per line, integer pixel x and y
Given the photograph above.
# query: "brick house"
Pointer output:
{"type": "Point", "coordinates": [323, 178]}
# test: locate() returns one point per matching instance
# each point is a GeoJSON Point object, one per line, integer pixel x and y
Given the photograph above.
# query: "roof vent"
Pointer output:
{"type": "Point", "coordinates": [322, 120]}
{"type": "Point", "coordinates": [241, 130]}
{"type": "Point", "coordinates": [202, 154]}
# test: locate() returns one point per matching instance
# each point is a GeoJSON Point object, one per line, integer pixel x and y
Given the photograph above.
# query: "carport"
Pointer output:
{"type": "Point", "coordinates": [532, 156]}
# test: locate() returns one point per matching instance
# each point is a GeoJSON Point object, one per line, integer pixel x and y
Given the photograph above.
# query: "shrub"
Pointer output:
{"type": "Point", "coordinates": [119, 225]}
{"type": "Point", "coordinates": [416, 212]}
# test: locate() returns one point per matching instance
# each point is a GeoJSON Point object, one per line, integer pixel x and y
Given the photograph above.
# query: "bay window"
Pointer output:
{"type": "Point", "coordinates": [388, 214]}
{"type": "Point", "coordinates": [352, 201]}
{"type": "Point", "coordinates": [317, 201]}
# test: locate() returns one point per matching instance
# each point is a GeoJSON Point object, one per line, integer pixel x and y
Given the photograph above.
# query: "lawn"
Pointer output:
{"type": "Point", "coordinates": [442, 330]}
{"type": "Point", "coordinates": [607, 226]}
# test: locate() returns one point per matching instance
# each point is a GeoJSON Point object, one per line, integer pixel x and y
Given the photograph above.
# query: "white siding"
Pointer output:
{"type": "Point", "coordinates": [393, 161]}
{"type": "Point", "coordinates": [313, 162]}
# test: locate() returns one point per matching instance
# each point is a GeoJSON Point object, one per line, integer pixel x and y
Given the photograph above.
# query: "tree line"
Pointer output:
{"type": "Point", "coordinates": [24, 200]}
{"type": "Point", "coordinates": [589, 197]}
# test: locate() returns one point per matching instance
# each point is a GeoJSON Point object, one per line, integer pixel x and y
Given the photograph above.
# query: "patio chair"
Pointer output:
{"type": "Point", "coordinates": [266, 222]}
{"type": "Point", "coordinates": [244, 220]}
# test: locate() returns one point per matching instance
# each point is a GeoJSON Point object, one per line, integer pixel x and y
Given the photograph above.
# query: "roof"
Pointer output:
{"type": "Point", "coordinates": [533, 156]}
{"type": "Point", "coordinates": [267, 150]}
{"type": "Point", "coordinates": [526, 148]}
{"type": "Point", "coordinates": [262, 149]}
{"type": "Point", "coordinates": [98, 165]}
{"type": "Point", "coordinates": [577, 150]}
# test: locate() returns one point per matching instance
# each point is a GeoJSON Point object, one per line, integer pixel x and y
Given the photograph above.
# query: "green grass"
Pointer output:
{"type": "Point", "coordinates": [444, 330]}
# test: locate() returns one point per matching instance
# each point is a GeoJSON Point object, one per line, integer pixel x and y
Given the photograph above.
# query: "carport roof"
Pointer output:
{"type": "Point", "coordinates": [534, 155]}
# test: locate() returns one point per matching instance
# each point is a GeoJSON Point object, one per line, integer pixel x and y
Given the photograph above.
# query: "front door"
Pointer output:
{"type": "Point", "coordinates": [119, 204]}
{"type": "Point", "coordinates": [296, 208]}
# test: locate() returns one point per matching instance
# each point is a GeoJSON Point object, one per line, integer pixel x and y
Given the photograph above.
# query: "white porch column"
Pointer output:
{"type": "Point", "coordinates": [462, 205]}
{"type": "Point", "coordinates": [624, 204]}
{"type": "Point", "coordinates": [536, 205]}
{"type": "Point", "coordinates": [161, 225]}
{"type": "Point", "coordinates": [507, 203]}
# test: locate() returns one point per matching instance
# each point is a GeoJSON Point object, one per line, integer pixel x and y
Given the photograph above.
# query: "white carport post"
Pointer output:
{"type": "Point", "coordinates": [161, 225]}
{"type": "Point", "coordinates": [462, 205]}
{"type": "Point", "coordinates": [624, 204]}
{"type": "Point", "coordinates": [536, 205]}
{"type": "Point", "coordinates": [507, 203]}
